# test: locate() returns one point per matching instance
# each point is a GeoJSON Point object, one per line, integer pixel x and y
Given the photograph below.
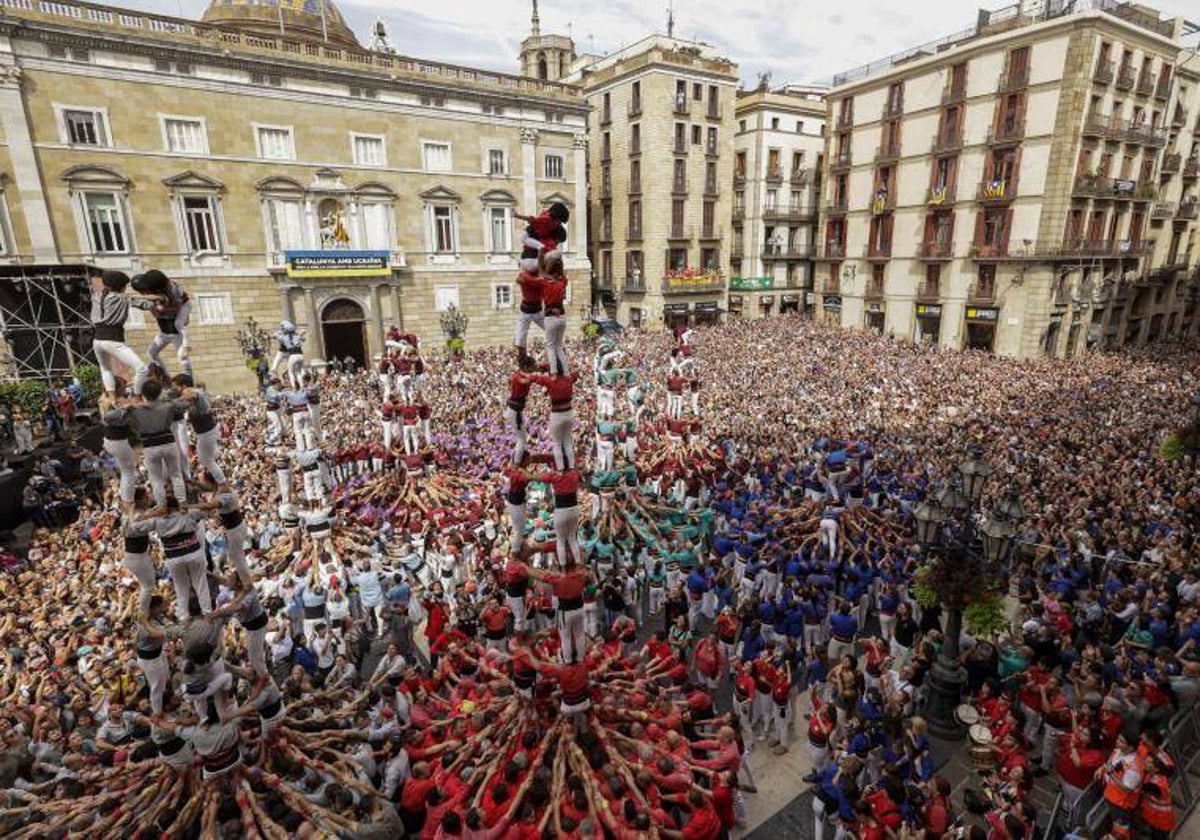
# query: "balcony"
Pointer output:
{"type": "Point", "coordinates": [788, 213]}
{"type": "Point", "coordinates": [775, 175]}
{"type": "Point", "coordinates": [634, 233]}
{"type": "Point", "coordinates": [878, 251]}
{"type": "Point", "coordinates": [711, 189]}
{"type": "Point", "coordinates": [635, 147]}
{"type": "Point", "coordinates": [739, 180]}
{"type": "Point", "coordinates": [942, 196]}
{"type": "Point", "coordinates": [681, 105]}
{"type": "Point", "coordinates": [605, 192]}
{"type": "Point", "coordinates": [635, 107]}
{"type": "Point", "coordinates": [800, 177]}
{"type": "Point", "coordinates": [845, 121]}
{"type": "Point", "coordinates": [604, 234]}
{"type": "Point", "coordinates": [1191, 168]}
{"type": "Point", "coordinates": [884, 202]}
{"type": "Point", "coordinates": [1162, 211]}
{"type": "Point", "coordinates": [952, 94]}
{"type": "Point", "coordinates": [1163, 89]}
{"type": "Point", "coordinates": [1105, 71]}
{"type": "Point", "coordinates": [1006, 134]}
{"type": "Point", "coordinates": [606, 154]}
{"type": "Point", "coordinates": [1014, 79]}
{"type": "Point", "coordinates": [929, 291]}
{"type": "Point", "coordinates": [1144, 134]}
{"type": "Point", "coordinates": [946, 141]}
{"type": "Point", "coordinates": [635, 284]}
{"type": "Point", "coordinates": [739, 215]}
{"type": "Point", "coordinates": [680, 146]}
{"type": "Point", "coordinates": [1146, 84]}
{"type": "Point", "coordinates": [989, 251]}
{"type": "Point", "coordinates": [935, 251]}
{"type": "Point", "coordinates": [1097, 125]}
{"type": "Point", "coordinates": [1134, 247]}
{"type": "Point", "coordinates": [981, 293]}
{"type": "Point", "coordinates": [831, 286]}
{"type": "Point", "coordinates": [635, 186]}
{"type": "Point", "coordinates": [891, 110]}
{"type": "Point", "coordinates": [874, 290]}
{"type": "Point", "coordinates": [832, 251]}
{"type": "Point", "coordinates": [690, 281]}
{"type": "Point", "coordinates": [887, 154]}
{"type": "Point", "coordinates": [837, 207]}
{"type": "Point", "coordinates": [681, 232]}
{"type": "Point", "coordinates": [1181, 116]}
{"type": "Point", "coordinates": [793, 251]}
{"type": "Point", "coordinates": [1087, 247]}
{"type": "Point", "coordinates": [605, 116]}
{"type": "Point", "coordinates": [1186, 211]}
{"type": "Point", "coordinates": [711, 149]}
{"type": "Point", "coordinates": [840, 160]}
{"type": "Point", "coordinates": [604, 284]}
{"type": "Point", "coordinates": [709, 232]}
{"type": "Point", "coordinates": [1171, 164]}
{"type": "Point", "coordinates": [1126, 78]}
{"type": "Point", "coordinates": [713, 112]}
{"type": "Point", "coordinates": [997, 191]}
{"type": "Point", "coordinates": [679, 186]}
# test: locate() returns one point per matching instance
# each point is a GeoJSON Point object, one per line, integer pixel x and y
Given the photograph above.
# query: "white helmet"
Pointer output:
{"type": "Point", "coordinates": [287, 326]}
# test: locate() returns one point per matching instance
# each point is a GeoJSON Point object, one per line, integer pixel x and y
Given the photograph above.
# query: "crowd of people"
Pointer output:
{"type": "Point", "coordinates": [498, 597]}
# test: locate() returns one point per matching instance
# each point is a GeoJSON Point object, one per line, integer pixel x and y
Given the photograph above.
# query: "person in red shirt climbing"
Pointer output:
{"type": "Point", "coordinates": [530, 312]}
{"type": "Point", "coordinates": [568, 587]}
{"type": "Point", "coordinates": [561, 391]}
{"type": "Point", "coordinates": [554, 295]}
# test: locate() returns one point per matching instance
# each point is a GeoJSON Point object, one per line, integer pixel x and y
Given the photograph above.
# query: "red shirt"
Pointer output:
{"type": "Point", "coordinates": [560, 389]}
{"type": "Point", "coordinates": [542, 227]}
{"type": "Point", "coordinates": [722, 798]}
{"type": "Point", "coordinates": [531, 288]}
{"type": "Point", "coordinates": [567, 585]}
{"type": "Point", "coordinates": [704, 824]}
{"type": "Point", "coordinates": [409, 414]}
{"type": "Point", "coordinates": [554, 291]}
{"type": "Point", "coordinates": [518, 388]}
{"type": "Point", "coordinates": [412, 799]}
{"type": "Point", "coordinates": [563, 483]}
{"type": "Point", "coordinates": [675, 384]}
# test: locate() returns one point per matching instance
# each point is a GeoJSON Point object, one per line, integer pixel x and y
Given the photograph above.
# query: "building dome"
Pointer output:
{"type": "Point", "coordinates": [300, 19]}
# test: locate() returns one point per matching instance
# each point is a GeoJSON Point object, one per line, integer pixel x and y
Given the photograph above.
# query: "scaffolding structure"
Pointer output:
{"type": "Point", "coordinates": [44, 321]}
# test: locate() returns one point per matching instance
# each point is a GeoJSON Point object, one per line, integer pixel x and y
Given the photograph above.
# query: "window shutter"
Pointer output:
{"type": "Point", "coordinates": [978, 240]}
{"type": "Point", "coordinates": [1016, 172]}
{"type": "Point", "coordinates": [1007, 232]}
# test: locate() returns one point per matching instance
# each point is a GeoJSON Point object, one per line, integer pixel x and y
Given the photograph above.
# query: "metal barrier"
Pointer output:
{"type": "Point", "coordinates": [1181, 741]}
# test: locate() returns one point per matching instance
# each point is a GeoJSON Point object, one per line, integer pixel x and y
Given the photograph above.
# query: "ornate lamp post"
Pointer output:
{"type": "Point", "coordinates": [254, 342]}
{"type": "Point", "coordinates": [454, 327]}
{"type": "Point", "coordinates": [968, 553]}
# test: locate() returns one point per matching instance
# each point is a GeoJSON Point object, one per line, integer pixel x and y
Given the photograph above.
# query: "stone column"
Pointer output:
{"type": "Point", "coordinates": [376, 301]}
{"type": "Point", "coordinates": [27, 174]}
{"type": "Point", "coordinates": [579, 213]}
{"type": "Point", "coordinates": [529, 138]}
{"type": "Point", "coordinates": [397, 307]}
{"type": "Point", "coordinates": [315, 343]}
{"type": "Point", "coordinates": [287, 312]}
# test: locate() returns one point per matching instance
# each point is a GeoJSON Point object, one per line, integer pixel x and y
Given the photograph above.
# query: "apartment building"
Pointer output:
{"type": "Point", "coordinates": [1027, 186]}
{"type": "Point", "coordinates": [279, 170]}
{"type": "Point", "coordinates": [660, 159]}
{"type": "Point", "coordinates": [778, 159]}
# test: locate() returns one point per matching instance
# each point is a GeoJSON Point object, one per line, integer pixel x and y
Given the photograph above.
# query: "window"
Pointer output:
{"type": "Point", "coordinates": [444, 297]}
{"type": "Point", "coordinates": [201, 232]}
{"type": "Point", "coordinates": [436, 157]}
{"type": "Point", "coordinates": [285, 230]}
{"type": "Point", "coordinates": [772, 202]}
{"type": "Point", "coordinates": [741, 125]}
{"type": "Point", "coordinates": [677, 217]}
{"type": "Point", "coordinates": [799, 126]}
{"type": "Point", "coordinates": [368, 149]}
{"type": "Point", "coordinates": [711, 148]}
{"type": "Point", "coordinates": [739, 165]}
{"type": "Point", "coordinates": [774, 123]}
{"type": "Point", "coordinates": [274, 143]}
{"type": "Point", "coordinates": [85, 127]}
{"type": "Point", "coordinates": [214, 309]}
{"type": "Point", "coordinates": [679, 182]}
{"type": "Point", "coordinates": [554, 167]}
{"type": "Point", "coordinates": [697, 91]}
{"type": "Point", "coordinates": [635, 264]}
{"type": "Point", "coordinates": [443, 230]}
{"type": "Point", "coordinates": [376, 225]}
{"type": "Point", "coordinates": [106, 223]}
{"type": "Point", "coordinates": [635, 317]}
{"type": "Point", "coordinates": [635, 176]}
{"type": "Point", "coordinates": [185, 134]}
{"type": "Point", "coordinates": [635, 220]}
{"type": "Point", "coordinates": [697, 135]}
{"type": "Point", "coordinates": [497, 165]}
{"type": "Point", "coordinates": [502, 296]}
{"type": "Point", "coordinates": [677, 259]}
{"type": "Point", "coordinates": [635, 139]}
{"type": "Point", "coordinates": [499, 241]}
{"type": "Point", "coordinates": [708, 259]}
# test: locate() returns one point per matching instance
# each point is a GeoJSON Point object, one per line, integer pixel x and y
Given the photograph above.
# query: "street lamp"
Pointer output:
{"type": "Point", "coordinates": [454, 327]}
{"type": "Point", "coordinates": [254, 341]}
{"type": "Point", "coordinates": [967, 558]}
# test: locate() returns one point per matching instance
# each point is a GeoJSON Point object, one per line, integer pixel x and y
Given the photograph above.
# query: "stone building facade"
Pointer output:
{"type": "Point", "coordinates": [279, 175]}
{"type": "Point", "coordinates": [1027, 187]}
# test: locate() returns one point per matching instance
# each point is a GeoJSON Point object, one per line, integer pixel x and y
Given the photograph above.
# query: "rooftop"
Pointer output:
{"type": "Point", "coordinates": [1018, 16]}
{"type": "Point", "coordinates": [223, 44]}
{"type": "Point", "coordinates": [651, 49]}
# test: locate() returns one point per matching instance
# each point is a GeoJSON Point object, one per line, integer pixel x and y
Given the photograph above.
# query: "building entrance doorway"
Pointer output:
{"type": "Point", "coordinates": [343, 328]}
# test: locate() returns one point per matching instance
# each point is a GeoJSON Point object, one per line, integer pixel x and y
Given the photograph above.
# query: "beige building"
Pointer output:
{"type": "Point", "coordinates": [778, 159]}
{"type": "Point", "coordinates": [1026, 187]}
{"type": "Point", "coordinates": [661, 165]}
{"type": "Point", "coordinates": [279, 174]}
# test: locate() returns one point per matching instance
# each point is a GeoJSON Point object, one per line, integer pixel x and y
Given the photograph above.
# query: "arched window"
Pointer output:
{"type": "Point", "coordinates": [542, 68]}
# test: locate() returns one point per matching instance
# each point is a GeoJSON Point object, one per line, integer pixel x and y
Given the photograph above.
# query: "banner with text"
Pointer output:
{"type": "Point", "coordinates": [338, 263]}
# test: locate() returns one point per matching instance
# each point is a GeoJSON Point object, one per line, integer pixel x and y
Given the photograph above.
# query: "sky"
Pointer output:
{"type": "Point", "coordinates": [798, 42]}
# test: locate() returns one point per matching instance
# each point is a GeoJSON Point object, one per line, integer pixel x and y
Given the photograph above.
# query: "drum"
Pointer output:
{"type": "Point", "coordinates": [982, 754]}
{"type": "Point", "coordinates": [967, 715]}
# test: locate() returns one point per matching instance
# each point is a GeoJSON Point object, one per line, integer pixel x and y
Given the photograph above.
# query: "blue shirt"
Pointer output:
{"type": "Point", "coordinates": [843, 626]}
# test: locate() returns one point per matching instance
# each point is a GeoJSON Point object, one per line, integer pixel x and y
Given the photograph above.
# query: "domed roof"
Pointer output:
{"type": "Point", "coordinates": [300, 19]}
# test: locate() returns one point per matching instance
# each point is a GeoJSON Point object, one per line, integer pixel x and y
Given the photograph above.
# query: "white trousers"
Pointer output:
{"type": "Point", "coordinates": [605, 402]}
{"type": "Point", "coordinates": [387, 433]}
{"type": "Point", "coordinates": [283, 479]}
{"type": "Point", "coordinates": [295, 368]}
{"type": "Point", "coordinates": [257, 650]}
{"type": "Point", "coordinates": [674, 405]}
{"type": "Point", "coordinates": [412, 440]}
{"type": "Point", "coordinates": [314, 487]}
{"type": "Point", "coordinates": [566, 534]}
{"type": "Point", "coordinates": [314, 419]}
{"type": "Point", "coordinates": [236, 552]}
{"type": "Point", "coordinates": [302, 429]}
{"type": "Point", "coordinates": [179, 430]}
{"type": "Point", "coordinates": [109, 351]}
{"type": "Point", "coordinates": [179, 341]}
{"type": "Point", "coordinates": [571, 634]}
{"type": "Point", "coordinates": [604, 454]}
{"type": "Point", "coordinates": [560, 436]}
{"type": "Point", "coordinates": [189, 574]}
{"type": "Point", "coordinates": [157, 673]}
{"type": "Point", "coordinates": [517, 518]}
{"type": "Point", "coordinates": [556, 354]}
{"type": "Point", "coordinates": [515, 420]}
{"type": "Point", "coordinates": [274, 426]}
{"type": "Point", "coordinates": [524, 319]}
{"type": "Point", "coordinates": [126, 461]}
{"type": "Point", "coordinates": [141, 566]}
{"type": "Point", "coordinates": [206, 453]}
{"type": "Point", "coordinates": [517, 605]}
{"type": "Point", "coordinates": [162, 463]}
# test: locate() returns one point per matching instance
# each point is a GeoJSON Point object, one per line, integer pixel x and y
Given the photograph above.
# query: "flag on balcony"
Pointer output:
{"type": "Point", "coordinates": [996, 189]}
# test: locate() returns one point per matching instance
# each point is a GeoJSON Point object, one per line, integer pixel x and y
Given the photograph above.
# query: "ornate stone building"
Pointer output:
{"type": "Point", "coordinates": [278, 170]}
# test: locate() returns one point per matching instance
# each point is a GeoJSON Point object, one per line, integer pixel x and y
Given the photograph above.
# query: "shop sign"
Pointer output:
{"type": "Point", "coordinates": [707, 306]}
{"type": "Point", "coordinates": [809, 297]}
{"type": "Point", "coordinates": [1124, 187]}
{"type": "Point", "coordinates": [675, 307]}
{"type": "Point", "coordinates": [983, 313]}
{"type": "Point", "coordinates": [766, 300]}
{"type": "Point", "coordinates": [929, 310]}
{"type": "Point", "coordinates": [735, 300]}
{"type": "Point", "coordinates": [833, 303]}
{"type": "Point", "coordinates": [791, 298]}
{"type": "Point", "coordinates": [1056, 318]}
{"type": "Point", "coordinates": [875, 307]}
{"type": "Point", "coordinates": [338, 263]}
{"type": "Point", "coordinates": [751, 284]}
